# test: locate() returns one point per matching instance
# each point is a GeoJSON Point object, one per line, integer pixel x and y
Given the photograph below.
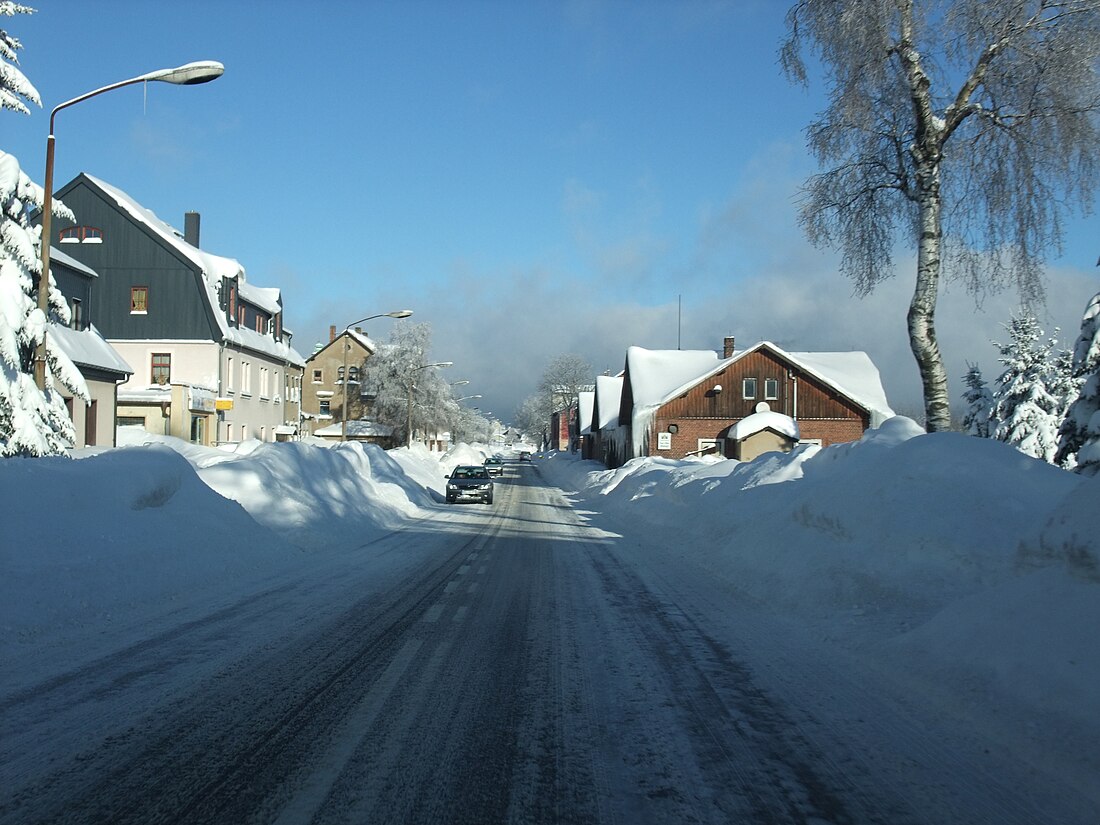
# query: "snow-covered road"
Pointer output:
{"type": "Point", "coordinates": [513, 663]}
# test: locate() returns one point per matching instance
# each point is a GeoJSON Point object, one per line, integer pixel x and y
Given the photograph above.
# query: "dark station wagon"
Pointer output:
{"type": "Point", "coordinates": [469, 481]}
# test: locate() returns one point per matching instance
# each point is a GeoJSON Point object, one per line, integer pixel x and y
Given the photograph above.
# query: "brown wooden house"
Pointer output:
{"type": "Point", "coordinates": [679, 403]}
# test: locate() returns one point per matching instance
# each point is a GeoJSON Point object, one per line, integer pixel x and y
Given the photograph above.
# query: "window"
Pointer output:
{"type": "Point", "coordinates": [317, 377]}
{"type": "Point", "coordinates": [711, 446]}
{"type": "Point", "coordinates": [324, 407]}
{"type": "Point", "coordinates": [77, 312]}
{"type": "Point", "coordinates": [198, 429]}
{"type": "Point", "coordinates": [162, 368]}
{"type": "Point", "coordinates": [232, 302]}
{"type": "Point", "coordinates": [339, 375]}
{"type": "Point", "coordinates": [771, 389]}
{"type": "Point", "coordinates": [81, 234]}
{"type": "Point", "coordinates": [240, 315]}
{"type": "Point", "coordinates": [229, 375]}
{"type": "Point", "coordinates": [246, 377]}
{"type": "Point", "coordinates": [261, 324]}
{"type": "Point", "coordinates": [265, 375]}
{"type": "Point", "coordinates": [90, 420]}
{"type": "Point", "coordinates": [353, 375]}
{"type": "Point", "coordinates": [748, 388]}
{"type": "Point", "coordinates": [139, 300]}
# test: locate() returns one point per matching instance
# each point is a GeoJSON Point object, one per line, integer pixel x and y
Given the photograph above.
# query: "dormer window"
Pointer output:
{"type": "Point", "coordinates": [81, 234]}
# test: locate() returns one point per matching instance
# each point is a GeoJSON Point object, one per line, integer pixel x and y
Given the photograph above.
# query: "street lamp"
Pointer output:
{"type": "Point", "coordinates": [401, 313]}
{"type": "Point", "coordinates": [409, 404]}
{"type": "Point", "coordinates": [188, 75]}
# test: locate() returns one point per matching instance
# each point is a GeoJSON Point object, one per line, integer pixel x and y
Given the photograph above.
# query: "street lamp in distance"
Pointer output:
{"type": "Point", "coordinates": [189, 74]}
{"type": "Point", "coordinates": [401, 313]}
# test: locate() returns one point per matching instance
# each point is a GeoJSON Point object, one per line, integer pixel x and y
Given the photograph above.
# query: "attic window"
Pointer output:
{"type": "Point", "coordinates": [81, 234]}
{"type": "Point", "coordinates": [771, 389]}
{"type": "Point", "coordinates": [748, 388]}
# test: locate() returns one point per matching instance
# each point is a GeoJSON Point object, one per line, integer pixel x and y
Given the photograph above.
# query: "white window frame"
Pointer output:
{"type": "Point", "coordinates": [773, 395]}
{"type": "Point", "coordinates": [745, 388]}
{"type": "Point", "coordinates": [703, 443]}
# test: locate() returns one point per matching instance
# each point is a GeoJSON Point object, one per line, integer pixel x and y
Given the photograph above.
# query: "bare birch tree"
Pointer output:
{"type": "Point", "coordinates": [966, 127]}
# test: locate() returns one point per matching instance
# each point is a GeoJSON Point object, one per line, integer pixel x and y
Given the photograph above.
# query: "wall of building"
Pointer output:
{"type": "Point", "coordinates": [94, 422]}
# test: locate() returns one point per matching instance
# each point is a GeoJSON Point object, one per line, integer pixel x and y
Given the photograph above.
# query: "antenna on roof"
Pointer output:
{"type": "Point", "coordinates": [678, 306]}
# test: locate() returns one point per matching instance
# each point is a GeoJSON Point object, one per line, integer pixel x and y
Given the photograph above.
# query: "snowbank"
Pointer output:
{"type": "Point", "coordinates": [954, 561]}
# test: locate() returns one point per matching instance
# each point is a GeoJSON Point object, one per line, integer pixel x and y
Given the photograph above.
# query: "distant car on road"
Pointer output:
{"type": "Point", "coordinates": [469, 481]}
{"type": "Point", "coordinates": [495, 466]}
{"type": "Point", "coordinates": [525, 456]}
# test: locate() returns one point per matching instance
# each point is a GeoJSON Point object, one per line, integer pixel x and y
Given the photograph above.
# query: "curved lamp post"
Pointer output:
{"type": "Point", "coordinates": [188, 75]}
{"type": "Point", "coordinates": [401, 313]}
{"type": "Point", "coordinates": [409, 404]}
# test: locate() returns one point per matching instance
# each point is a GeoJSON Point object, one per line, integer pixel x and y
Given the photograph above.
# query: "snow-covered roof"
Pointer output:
{"type": "Point", "coordinates": [766, 420]}
{"type": "Point", "coordinates": [213, 269]}
{"type": "Point", "coordinates": [57, 256]}
{"type": "Point", "coordinates": [609, 394]}
{"type": "Point", "coordinates": [363, 340]}
{"type": "Point", "coordinates": [585, 400]}
{"type": "Point", "coordinates": [266, 298]}
{"type": "Point", "coordinates": [87, 348]}
{"type": "Point", "coordinates": [147, 395]}
{"type": "Point", "coordinates": [659, 375]}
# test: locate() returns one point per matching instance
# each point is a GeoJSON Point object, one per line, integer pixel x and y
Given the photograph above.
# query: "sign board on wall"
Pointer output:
{"type": "Point", "coordinates": [664, 441]}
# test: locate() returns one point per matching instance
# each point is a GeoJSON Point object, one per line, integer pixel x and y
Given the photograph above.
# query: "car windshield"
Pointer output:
{"type": "Point", "coordinates": [469, 472]}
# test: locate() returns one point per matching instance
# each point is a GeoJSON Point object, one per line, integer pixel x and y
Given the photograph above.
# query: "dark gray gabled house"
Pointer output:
{"type": "Point", "coordinates": [212, 359]}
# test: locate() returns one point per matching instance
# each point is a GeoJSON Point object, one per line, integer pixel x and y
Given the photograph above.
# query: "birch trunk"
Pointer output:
{"type": "Point", "coordinates": [922, 309]}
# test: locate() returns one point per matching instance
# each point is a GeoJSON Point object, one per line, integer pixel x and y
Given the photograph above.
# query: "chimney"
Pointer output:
{"type": "Point", "coordinates": [332, 333]}
{"type": "Point", "coordinates": [191, 228]}
{"type": "Point", "coordinates": [727, 347]}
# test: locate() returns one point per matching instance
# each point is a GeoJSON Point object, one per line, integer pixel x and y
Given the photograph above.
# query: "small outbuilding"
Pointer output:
{"type": "Point", "coordinates": [762, 432]}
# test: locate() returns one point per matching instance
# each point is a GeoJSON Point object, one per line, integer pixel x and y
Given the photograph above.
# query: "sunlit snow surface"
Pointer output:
{"type": "Point", "coordinates": [956, 564]}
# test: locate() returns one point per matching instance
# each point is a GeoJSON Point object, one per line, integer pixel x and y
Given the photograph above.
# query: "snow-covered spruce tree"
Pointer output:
{"type": "Point", "coordinates": [1079, 435]}
{"type": "Point", "coordinates": [979, 403]}
{"type": "Point", "coordinates": [14, 86]}
{"type": "Point", "coordinates": [1025, 413]}
{"type": "Point", "coordinates": [32, 422]}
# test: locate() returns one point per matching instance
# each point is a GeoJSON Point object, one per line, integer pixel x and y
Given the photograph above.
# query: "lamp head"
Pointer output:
{"type": "Point", "coordinates": [190, 74]}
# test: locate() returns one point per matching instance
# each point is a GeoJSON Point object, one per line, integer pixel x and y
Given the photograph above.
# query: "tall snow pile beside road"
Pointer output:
{"type": "Point", "coordinates": [956, 562]}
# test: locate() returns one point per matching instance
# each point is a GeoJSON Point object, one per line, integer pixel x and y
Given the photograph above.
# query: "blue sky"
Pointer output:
{"type": "Point", "coordinates": [530, 178]}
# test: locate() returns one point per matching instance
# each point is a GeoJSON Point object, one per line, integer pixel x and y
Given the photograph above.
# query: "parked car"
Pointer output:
{"type": "Point", "coordinates": [469, 481]}
{"type": "Point", "coordinates": [495, 466]}
{"type": "Point", "coordinates": [525, 456]}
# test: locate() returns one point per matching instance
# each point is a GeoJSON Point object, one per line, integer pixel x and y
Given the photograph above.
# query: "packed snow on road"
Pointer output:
{"type": "Point", "coordinates": [860, 590]}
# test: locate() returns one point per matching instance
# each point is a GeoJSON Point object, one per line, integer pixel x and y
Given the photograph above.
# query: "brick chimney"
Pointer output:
{"type": "Point", "coordinates": [331, 333]}
{"type": "Point", "coordinates": [727, 347]}
{"type": "Point", "coordinates": [191, 222]}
